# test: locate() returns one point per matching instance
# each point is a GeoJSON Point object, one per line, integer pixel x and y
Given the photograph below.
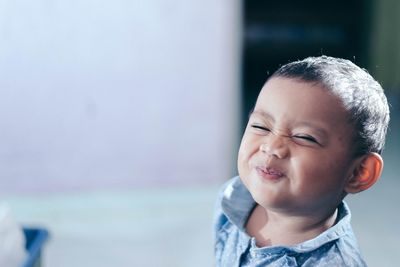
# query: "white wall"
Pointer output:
{"type": "Point", "coordinates": [97, 94]}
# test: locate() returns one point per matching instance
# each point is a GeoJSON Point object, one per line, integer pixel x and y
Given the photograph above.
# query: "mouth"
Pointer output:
{"type": "Point", "coordinates": [269, 174]}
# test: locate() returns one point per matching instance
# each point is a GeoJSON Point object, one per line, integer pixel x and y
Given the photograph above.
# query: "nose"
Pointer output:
{"type": "Point", "coordinates": [275, 146]}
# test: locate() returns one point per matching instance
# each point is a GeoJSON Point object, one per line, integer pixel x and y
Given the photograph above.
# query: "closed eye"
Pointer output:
{"type": "Point", "coordinates": [306, 138]}
{"type": "Point", "coordinates": [258, 127]}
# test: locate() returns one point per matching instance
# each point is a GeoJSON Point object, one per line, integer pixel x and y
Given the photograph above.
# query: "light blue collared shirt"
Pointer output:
{"type": "Point", "coordinates": [337, 246]}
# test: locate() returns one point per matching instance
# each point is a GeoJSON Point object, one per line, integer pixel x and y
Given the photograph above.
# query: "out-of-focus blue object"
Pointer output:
{"type": "Point", "coordinates": [35, 240]}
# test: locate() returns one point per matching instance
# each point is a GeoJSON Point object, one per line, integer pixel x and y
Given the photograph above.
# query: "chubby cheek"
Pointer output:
{"type": "Point", "coordinates": [319, 179]}
{"type": "Point", "coordinates": [242, 162]}
{"type": "Point", "coordinates": [244, 157]}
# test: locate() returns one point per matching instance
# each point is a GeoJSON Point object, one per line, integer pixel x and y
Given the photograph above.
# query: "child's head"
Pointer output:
{"type": "Point", "coordinates": [361, 95]}
{"type": "Point", "coordinates": [315, 135]}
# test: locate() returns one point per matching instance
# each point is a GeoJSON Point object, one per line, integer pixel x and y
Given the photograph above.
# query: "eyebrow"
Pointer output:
{"type": "Point", "coordinates": [307, 124]}
{"type": "Point", "coordinates": [261, 113]}
{"type": "Point", "coordinates": [321, 131]}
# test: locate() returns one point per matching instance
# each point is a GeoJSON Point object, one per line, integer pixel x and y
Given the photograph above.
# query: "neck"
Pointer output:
{"type": "Point", "coordinates": [271, 228]}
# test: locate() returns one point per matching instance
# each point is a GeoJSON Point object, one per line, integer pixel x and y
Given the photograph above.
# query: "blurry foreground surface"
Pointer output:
{"type": "Point", "coordinates": [162, 227]}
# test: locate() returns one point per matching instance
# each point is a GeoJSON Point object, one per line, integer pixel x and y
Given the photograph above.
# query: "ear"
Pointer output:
{"type": "Point", "coordinates": [366, 173]}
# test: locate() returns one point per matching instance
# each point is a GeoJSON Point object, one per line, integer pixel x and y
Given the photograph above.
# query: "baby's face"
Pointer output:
{"type": "Point", "coordinates": [295, 153]}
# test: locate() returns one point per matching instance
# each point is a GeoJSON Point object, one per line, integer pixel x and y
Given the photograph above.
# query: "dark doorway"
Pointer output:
{"type": "Point", "coordinates": [276, 32]}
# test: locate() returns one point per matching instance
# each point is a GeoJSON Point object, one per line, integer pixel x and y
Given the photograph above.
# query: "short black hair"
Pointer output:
{"type": "Point", "coordinates": [360, 93]}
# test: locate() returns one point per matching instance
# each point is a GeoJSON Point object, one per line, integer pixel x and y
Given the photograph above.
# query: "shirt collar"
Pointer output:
{"type": "Point", "coordinates": [237, 204]}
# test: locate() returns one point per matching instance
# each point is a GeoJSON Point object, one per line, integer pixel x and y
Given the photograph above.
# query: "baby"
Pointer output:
{"type": "Point", "coordinates": [315, 135]}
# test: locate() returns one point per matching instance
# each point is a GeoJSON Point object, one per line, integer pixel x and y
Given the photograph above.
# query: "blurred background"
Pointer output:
{"type": "Point", "coordinates": [120, 119]}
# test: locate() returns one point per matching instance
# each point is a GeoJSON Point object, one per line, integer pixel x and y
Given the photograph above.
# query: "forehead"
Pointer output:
{"type": "Point", "coordinates": [295, 100]}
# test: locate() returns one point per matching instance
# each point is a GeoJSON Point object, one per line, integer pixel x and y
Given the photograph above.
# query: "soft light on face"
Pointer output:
{"type": "Point", "coordinates": [295, 153]}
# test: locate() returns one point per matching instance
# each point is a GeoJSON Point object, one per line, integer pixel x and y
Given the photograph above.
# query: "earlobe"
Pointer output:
{"type": "Point", "coordinates": [366, 173]}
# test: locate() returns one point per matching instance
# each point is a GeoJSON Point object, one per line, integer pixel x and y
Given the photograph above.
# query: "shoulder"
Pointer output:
{"type": "Point", "coordinates": [342, 252]}
{"type": "Point", "coordinates": [349, 252]}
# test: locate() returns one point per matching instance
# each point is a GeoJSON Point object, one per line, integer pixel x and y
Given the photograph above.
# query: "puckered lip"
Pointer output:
{"type": "Point", "coordinates": [269, 172]}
